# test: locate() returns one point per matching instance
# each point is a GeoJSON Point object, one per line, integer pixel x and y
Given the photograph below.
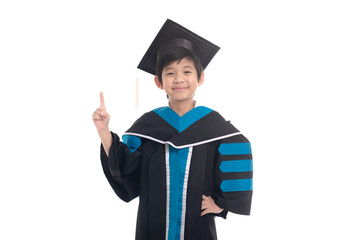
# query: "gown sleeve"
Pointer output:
{"type": "Point", "coordinates": [121, 167]}
{"type": "Point", "coordinates": [233, 176]}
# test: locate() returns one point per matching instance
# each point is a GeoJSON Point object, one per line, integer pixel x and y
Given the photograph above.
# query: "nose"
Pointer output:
{"type": "Point", "coordinates": [178, 79]}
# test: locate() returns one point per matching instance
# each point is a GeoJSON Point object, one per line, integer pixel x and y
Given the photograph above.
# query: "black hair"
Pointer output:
{"type": "Point", "coordinates": [177, 54]}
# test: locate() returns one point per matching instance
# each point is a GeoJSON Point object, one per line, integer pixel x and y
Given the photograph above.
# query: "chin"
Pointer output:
{"type": "Point", "coordinates": [179, 99]}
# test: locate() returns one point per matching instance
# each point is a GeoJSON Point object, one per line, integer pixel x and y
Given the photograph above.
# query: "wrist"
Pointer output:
{"type": "Point", "coordinates": [103, 131]}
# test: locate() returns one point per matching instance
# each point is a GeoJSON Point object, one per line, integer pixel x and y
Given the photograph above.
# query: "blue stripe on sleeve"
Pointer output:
{"type": "Point", "coordinates": [133, 142]}
{"type": "Point", "coordinates": [235, 148]}
{"type": "Point", "coordinates": [237, 185]}
{"type": "Point", "coordinates": [236, 166]}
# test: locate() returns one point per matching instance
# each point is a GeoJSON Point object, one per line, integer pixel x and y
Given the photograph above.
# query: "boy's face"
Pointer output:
{"type": "Point", "coordinates": [180, 80]}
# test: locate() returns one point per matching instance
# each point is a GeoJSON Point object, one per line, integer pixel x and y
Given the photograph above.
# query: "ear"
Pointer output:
{"type": "Point", "coordinates": [201, 79]}
{"type": "Point", "coordinates": [158, 83]}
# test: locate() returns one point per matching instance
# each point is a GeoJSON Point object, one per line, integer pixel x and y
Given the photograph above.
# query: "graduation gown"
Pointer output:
{"type": "Point", "coordinates": [170, 162]}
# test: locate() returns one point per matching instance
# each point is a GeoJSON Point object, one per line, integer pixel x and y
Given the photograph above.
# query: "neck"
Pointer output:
{"type": "Point", "coordinates": [182, 107]}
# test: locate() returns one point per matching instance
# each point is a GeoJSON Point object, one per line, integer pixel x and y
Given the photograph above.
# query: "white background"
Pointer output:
{"type": "Point", "coordinates": [285, 75]}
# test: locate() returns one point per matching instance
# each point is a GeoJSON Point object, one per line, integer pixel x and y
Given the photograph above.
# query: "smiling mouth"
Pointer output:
{"type": "Point", "coordinates": [180, 88]}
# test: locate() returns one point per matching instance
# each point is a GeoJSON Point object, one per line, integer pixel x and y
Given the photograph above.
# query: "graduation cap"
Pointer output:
{"type": "Point", "coordinates": [174, 35]}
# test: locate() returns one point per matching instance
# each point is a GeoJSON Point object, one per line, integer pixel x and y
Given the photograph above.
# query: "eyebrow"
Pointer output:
{"type": "Point", "coordinates": [167, 68]}
{"type": "Point", "coordinates": [189, 66]}
{"type": "Point", "coordinates": [171, 68]}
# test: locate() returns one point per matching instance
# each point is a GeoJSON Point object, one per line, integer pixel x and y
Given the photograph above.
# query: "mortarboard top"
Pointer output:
{"type": "Point", "coordinates": [174, 35]}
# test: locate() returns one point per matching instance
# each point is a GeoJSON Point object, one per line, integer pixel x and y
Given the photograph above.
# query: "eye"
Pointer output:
{"type": "Point", "coordinates": [169, 74]}
{"type": "Point", "coordinates": [187, 72]}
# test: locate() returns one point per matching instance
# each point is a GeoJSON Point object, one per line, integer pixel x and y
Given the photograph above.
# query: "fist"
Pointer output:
{"type": "Point", "coordinates": [100, 117]}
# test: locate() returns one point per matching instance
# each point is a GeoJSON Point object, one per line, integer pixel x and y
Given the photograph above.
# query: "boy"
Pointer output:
{"type": "Point", "coordinates": [185, 162]}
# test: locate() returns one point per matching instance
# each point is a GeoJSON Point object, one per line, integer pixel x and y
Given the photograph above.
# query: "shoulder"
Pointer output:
{"type": "Point", "coordinates": [214, 118]}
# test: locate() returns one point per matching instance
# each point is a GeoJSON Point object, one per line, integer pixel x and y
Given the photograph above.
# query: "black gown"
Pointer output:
{"type": "Point", "coordinates": [170, 162]}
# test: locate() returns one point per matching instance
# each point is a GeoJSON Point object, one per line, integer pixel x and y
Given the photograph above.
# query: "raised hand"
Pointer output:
{"type": "Point", "coordinates": [100, 117]}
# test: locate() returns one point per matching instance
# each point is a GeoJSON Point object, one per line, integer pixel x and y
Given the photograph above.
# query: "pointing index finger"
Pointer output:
{"type": "Point", "coordinates": [102, 102]}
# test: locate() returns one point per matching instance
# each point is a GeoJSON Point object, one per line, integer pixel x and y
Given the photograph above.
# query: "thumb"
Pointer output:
{"type": "Point", "coordinates": [104, 114]}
